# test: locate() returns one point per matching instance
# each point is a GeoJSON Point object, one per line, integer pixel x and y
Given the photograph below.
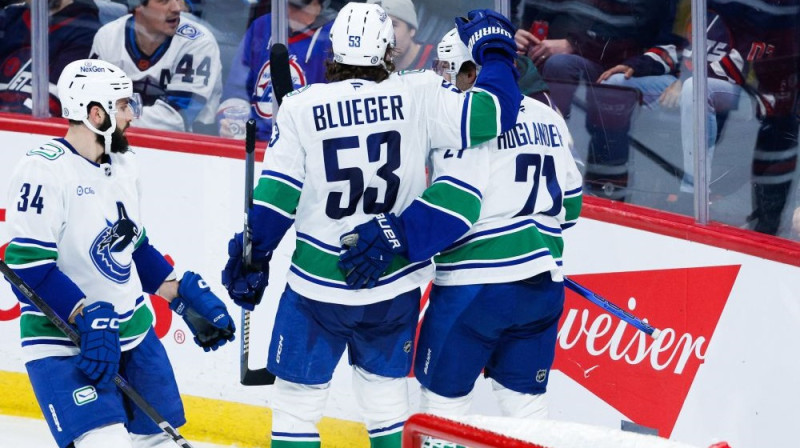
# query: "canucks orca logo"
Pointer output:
{"type": "Point", "coordinates": [108, 252]}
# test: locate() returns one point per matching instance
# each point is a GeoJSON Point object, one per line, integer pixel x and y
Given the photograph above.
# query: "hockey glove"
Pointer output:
{"type": "Point", "coordinates": [245, 287]}
{"type": "Point", "coordinates": [369, 249]}
{"type": "Point", "coordinates": [204, 313]}
{"type": "Point", "coordinates": [98, 325]}
{"type": "Point", "coordinates": [485, 31]}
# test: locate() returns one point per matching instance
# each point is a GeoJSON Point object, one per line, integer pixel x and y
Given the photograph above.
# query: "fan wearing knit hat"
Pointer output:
{"type": "Point", "coordinates": [410, 55]}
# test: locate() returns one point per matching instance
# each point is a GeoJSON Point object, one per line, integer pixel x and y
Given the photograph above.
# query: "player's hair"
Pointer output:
{"type": "Point", "coordinates": [335, 71]}
{"type": "Point", "coordinates": [467, 66]}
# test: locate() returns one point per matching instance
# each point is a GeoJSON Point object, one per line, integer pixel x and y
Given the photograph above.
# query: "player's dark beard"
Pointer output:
{"type": "Point", "coordinates": [119, 143]}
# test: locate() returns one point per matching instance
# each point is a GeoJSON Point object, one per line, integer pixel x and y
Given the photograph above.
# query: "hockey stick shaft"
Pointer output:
{"type": "Point", "coordinates": [281, 79]}
{"type": "Point", "coordinates": [73, 336]}
{"type": "Point", "coordinates": [612, 308]}
{"type": "Point", "coordinates": [249, 377]}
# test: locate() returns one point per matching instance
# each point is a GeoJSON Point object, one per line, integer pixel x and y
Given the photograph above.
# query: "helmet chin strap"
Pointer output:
{"type": "Point", "coordinates": [106, 134]}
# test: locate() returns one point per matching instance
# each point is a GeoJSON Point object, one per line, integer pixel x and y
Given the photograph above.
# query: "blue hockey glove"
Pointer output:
{"type": "Point", "coordinates": [98, 325]}
{"type": "Point", "coordinates": [245, 288]}
{"type": "Point", "coordinates": [369, 249]}
{"type": "Point", "coordinates": [485, 30]}
{"type": "Point", "coordinates": [204, 313]}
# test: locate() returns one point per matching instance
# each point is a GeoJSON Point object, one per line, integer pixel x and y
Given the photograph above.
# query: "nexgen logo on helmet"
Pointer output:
{"type": "Point", "coordinates": [361, 34]}
{"type": "Point", "coordinates": [91, 68]}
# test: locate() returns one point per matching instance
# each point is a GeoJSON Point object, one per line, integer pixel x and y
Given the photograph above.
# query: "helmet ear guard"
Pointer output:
{"type": "Point", "coordinates": [361, 34]}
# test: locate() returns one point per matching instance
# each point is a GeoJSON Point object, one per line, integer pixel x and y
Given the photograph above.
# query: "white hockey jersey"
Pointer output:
{"type": "Point", "coordinates": [528, 188]}
{"type": "Point", "coordinates": [181, 82]}
{"type": "Point", "coordinates": [84, 219]}
{"type": "Point", "coordinates": [354, 149]}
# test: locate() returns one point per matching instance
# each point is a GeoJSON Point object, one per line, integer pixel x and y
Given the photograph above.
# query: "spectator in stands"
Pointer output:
{"type": "Point", "coordinates": [249, 81]}
{"type": "Point", "coordinates": [741, 38]}
{"type": "Point", "coordinates": [173, 60]}
{"type": "Point", "coordinates": [410, 54]}
{"type": "Point", "coordinates": [592, 42]}
{"type": "Point", "coordinates": [73, 25]}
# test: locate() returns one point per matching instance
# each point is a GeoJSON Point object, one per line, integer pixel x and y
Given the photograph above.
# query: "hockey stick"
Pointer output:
{"type": "Point", "coordinates": [281, 85]}
{"type": "Point", "coordinates": [612, 308]}
{"type": "Point", "coordinates": [247, 377]}
{"type": "Point", "coordinates": [73, 336]}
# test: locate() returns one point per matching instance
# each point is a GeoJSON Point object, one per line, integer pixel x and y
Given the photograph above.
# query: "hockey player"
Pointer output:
{"type": "Point", "coordinates": [451, 53]}
{"type": "Point", "coordinates": [495, 215]}
{"type": "Point", "coordinates": [341, 153]}
{"type": "Point", "coordinates": [173, 60]}
{"type": "Point", "coordinates": [77, 239]}
{"type": "Point", "coordinates": [249, 82]}
{"type": "Point", "coordinates": [72, 28]}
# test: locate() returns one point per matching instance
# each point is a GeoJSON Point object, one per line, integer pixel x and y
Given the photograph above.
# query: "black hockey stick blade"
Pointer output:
{"type": "Point", "coordinates": [258, 377]}
{"type": "Point", "coordinates": [279, 72]}
{"type": "Point", "coordinates": [73, 336]}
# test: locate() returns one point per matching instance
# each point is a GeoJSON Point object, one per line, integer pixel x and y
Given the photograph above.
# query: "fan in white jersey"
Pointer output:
{"type": "Point", "coordinates": [78, 239]}
{"type": "Point", "coordinates": [341, 153]}
{"type": "Point", "coordinates": [492, 217]}
{"type": "Point", "coordinates": [173, 60]}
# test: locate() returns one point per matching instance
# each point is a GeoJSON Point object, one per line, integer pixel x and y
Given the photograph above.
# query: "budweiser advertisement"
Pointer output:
{"type": "Point", "coordinates": [724, 368]}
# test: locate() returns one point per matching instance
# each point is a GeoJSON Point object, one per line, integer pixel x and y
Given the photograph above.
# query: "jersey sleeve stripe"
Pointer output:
{"type": "Point", "coordinates": [275, 209]}
{"type": "Point", "coordinates": [278, 193]}
{"type": "Point", "coordinates": [461, 184]}
{"type": "Point", "coordinates": [454, 201]}
{"type": "Point", "coordinates": [465, 112]}
{"type": "Point", "coordinates": [28, 255]}
{"type": "Point", "coordinates": [142, 239]}
{"type": "Point", "coordinates": [573, 192]}
{"type": "Point", "coordinates": [572, 207]}
{"type": "Point", "coordinates": [277, 175]}
{"type": "Point", "coordinates": [484, 117]}
{"type": "Point", "coordinates": [33, 242]}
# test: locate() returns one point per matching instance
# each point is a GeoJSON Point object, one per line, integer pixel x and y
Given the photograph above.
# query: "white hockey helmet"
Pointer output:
{"type": "Point", "coordinates": [451, 54]}
{"type": "Point", "coordinates": [85, 81]}
{"type": "Point", "coordinates": [91, 80]}
{"type": "Point", "coordinates": [360, 35]}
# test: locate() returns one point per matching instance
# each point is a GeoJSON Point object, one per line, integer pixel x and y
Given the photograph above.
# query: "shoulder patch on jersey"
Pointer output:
{"type": "Point", "coordinates": [407, 72]}
{"type": "Point", "coordinates": [189, 31]}
{"type": "Point", "coordinates": [300, 90]}
{"type": "Point", "coordinates": [49, 151]}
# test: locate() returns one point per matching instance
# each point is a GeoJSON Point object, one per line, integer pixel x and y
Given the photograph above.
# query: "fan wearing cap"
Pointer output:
{"type": "Point", "coordinates": [173, 60]}
{"type": "Point", "coordinates": [343, 153]}
{"type": "Point", "coordinates": [409, 54]}
{"type": "Point", "coordinates": [249, 82]}
{"type": "Point", "coordinates": [78, 240]}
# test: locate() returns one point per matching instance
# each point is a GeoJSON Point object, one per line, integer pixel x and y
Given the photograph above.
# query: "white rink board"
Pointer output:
{"type": "Point", "coordinates": [745, 390]}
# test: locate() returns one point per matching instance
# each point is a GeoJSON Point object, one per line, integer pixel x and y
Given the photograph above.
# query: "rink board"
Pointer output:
{"type": "Point", "coordinates": [723, 370]}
